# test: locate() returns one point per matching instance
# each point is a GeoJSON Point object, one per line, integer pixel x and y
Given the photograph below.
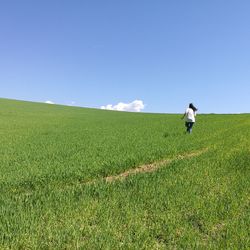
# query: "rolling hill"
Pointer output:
{"type": "Point", "coordinates": [79, 178]}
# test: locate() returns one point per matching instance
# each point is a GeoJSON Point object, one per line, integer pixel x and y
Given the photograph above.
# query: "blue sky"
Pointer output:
{"type": "Point", "coordinates": [93, 53]}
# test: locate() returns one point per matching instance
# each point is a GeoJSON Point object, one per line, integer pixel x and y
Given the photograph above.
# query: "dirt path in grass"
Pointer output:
{"type": "Point", "coordinates": [146, 168]}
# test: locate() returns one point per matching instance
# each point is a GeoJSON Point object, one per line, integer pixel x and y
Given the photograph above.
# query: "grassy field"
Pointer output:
{"type": "Point", "coordinates": [56, 160]}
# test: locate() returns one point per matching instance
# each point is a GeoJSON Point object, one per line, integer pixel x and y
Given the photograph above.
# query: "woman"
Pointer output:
{"type": "Point", "coordinates": [190, 117]}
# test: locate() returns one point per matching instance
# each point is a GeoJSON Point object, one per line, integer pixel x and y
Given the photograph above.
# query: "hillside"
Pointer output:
{"type": "Point", "coordinates": [78, 178]}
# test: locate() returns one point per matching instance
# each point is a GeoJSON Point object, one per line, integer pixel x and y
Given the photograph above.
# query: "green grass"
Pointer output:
{"type": "Point", "coordinates": [51, 154]}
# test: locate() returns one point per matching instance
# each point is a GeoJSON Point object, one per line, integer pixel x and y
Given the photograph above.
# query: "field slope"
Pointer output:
{"type": "Point", "coordinates": [76, 178]}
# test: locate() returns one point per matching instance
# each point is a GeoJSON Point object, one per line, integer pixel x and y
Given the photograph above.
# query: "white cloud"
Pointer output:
{"type": "Point", "coordinates": [135, 106]}
{"type": "Point", "coordinates": [73, 103]}
{"type": "Point", "coordinates": [49, 102]}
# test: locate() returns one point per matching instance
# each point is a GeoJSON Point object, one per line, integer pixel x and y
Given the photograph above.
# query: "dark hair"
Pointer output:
{"type": "Point", "coordinates": [192, 107]}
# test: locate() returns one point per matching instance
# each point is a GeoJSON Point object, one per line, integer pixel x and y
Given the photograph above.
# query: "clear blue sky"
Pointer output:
{"type": "Point", "coordinates": [96, 52]}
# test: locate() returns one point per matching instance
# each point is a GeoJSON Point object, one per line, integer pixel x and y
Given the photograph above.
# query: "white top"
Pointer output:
{"type": "Point", "coordinates": [190, 115]}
